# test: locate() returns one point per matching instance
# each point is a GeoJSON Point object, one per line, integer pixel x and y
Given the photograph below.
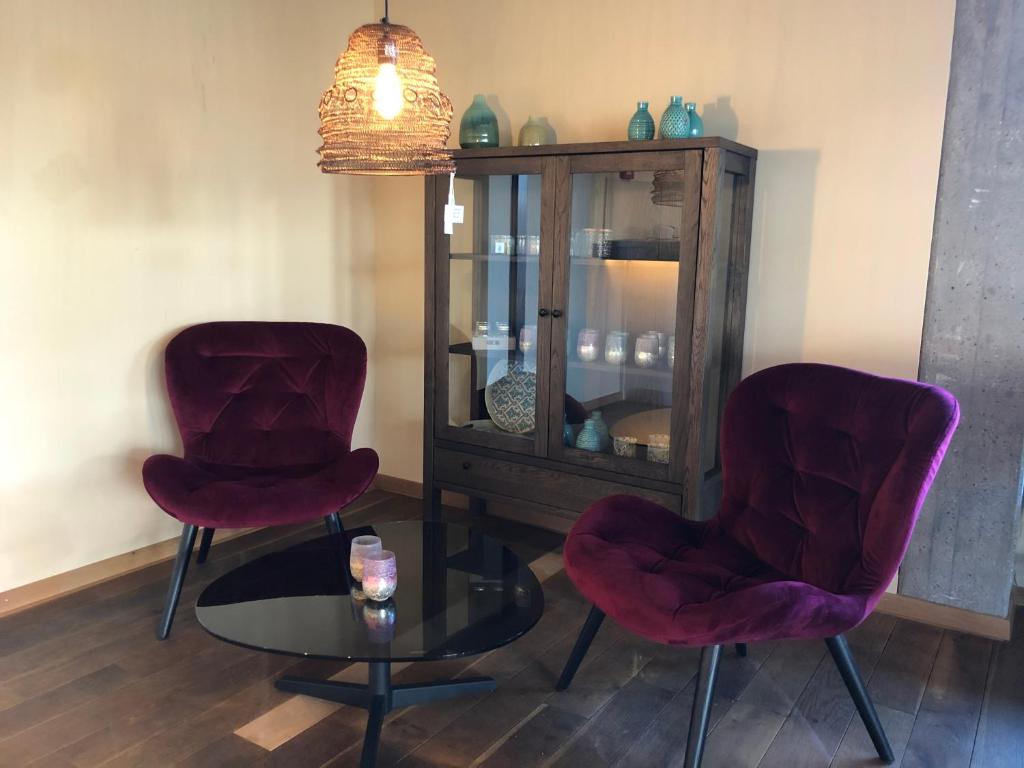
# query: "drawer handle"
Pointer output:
{"type": "Point", "coordinates": [465, 465]}
{"type": "Point", "coordinates": [542, 312]}
{"type": "Point", "coordinates": [556, 313]}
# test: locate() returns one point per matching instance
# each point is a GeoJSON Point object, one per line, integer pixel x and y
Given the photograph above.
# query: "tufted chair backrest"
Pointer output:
{"type": "Point", "coordinates": [261, 395]}
{"type": "Point", "coordinates": [825, 470]}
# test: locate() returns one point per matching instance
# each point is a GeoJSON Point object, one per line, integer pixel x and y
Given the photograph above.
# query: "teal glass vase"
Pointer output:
{"type": "Point", "coordinates": [696, 123]}
{"type": "Point", "coordinates": [641, 125]}
{"type": "Point", "coordinates": [567, 435]}
{"type": "Point", "coordinates": [602, 430]}
{"type": "Point", "coordinates": [588, 438]}
{"type": "Point", "coordinates": [675, 120]}
{"type": "Point", "coordinates": [479, 126]}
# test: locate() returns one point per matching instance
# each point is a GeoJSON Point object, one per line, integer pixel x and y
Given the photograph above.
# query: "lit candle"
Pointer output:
{"type": "Point", "coordinates": [361, 547]}
{"type": "Point", "coordinates": [380, 575]}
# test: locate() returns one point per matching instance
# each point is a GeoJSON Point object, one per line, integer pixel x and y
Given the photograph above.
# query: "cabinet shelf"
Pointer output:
{"type": "Point", "coordinates": [581, 261]}
{"type": "Point", "coordinates": [626, 369]}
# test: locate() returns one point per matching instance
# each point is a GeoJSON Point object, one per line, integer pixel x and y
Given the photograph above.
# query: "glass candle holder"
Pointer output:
{"type": "Point", "coordinates": [625, 446]}
{"type": "Point", "coordinates": [380, 575]}
{"type": "Point", "coordinates": [587, 345]}
{"type": "Point", "coordinates": [528, 338]}
{"type": "Point", "coordinates": [615, 348]}
{"type": "Point", "coordinates": [361, 547]}
{"type": "Point", "coordinates": [661, 342]}
{"type": "Point", "coordinates": [657, 448]}
{"type": "Point", "coordinates": [646, 354]}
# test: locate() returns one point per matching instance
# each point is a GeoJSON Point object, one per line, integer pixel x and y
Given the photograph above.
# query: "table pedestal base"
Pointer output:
{"type": "Point", "coordinates": [380, 697]}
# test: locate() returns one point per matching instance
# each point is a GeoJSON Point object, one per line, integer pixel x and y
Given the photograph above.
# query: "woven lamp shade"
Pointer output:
{"type": "Point", "coordinates": [357, 138]}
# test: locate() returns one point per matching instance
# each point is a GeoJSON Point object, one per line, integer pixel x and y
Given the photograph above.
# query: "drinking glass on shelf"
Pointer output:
{"type": "Point", "coordinates": [528, 338]}
{"type": "Point", "coordinates": [528, 245]}
{"type": "Point", "coordinates": [671, 351]}
{"type": "Point", "coordinates": [615, 347]}
{"type": "Point", "coordinates": [587, 344]}
{"type": "Point", "coordinates": [481, 327]}
{"type": "Point", "coordinates": [646, 354]}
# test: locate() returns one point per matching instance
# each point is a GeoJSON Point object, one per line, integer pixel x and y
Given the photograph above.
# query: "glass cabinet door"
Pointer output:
{"type": "Point", "coordinates": [490, 378]}
{"type": "Point", "coordinates": [626, 299]}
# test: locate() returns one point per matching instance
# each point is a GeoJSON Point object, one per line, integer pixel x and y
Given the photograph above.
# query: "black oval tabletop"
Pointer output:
{"type": "Point", "coordinates": [460, 592]}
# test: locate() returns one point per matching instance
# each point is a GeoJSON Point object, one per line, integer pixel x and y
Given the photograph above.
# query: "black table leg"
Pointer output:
{"type": "Point", "coordinates": [379, 697]}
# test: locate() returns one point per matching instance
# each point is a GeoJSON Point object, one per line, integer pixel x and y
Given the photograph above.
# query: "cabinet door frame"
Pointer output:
{"type": "Point", "coordinates": [440, 368]}
{"type": "Point", "coordinates": [690, 161]}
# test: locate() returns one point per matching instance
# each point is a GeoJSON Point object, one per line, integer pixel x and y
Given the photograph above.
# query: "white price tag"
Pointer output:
{"type": "Point", "coordinates": [453, 214]}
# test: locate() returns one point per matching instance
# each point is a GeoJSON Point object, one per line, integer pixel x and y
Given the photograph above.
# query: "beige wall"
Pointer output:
{"type": "Point", "coordinates": [157, 168]}
{"type": "Point", "coordinates": [843, 98]}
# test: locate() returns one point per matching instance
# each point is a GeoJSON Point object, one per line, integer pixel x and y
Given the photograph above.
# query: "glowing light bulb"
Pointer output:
{"type": "Point", "coordinates": [387, 91]}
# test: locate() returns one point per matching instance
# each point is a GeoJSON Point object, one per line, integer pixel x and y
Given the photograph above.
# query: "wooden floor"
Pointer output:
{"type": "Point", "coordinates": [83, 682]}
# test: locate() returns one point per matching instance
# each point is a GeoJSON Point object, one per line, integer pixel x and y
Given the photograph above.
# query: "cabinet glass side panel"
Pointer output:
{"type": "Point", "coordinates": [623, 281]}
{"type": "Point", "coordinates": [494, 269]}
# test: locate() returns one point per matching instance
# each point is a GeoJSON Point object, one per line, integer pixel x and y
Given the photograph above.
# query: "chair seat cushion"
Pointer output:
{"type": "Point", "coordinates": [232, 497]}
{"type": "Point", "coordinates": [682, 582]}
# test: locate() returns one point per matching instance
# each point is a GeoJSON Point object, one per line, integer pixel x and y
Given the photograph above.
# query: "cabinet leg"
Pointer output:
{"type": "Point", "coordinates": [432, 503]}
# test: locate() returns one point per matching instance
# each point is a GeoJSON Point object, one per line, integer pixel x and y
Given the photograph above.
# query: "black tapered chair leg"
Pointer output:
{"type": "Point", "coordinates": [188, 540]}
{"type": "Point", "coordinates": [704, 694]}
{"type": "Point", "coordinates": [333, 522]}
{"type": "Point", "coordinates": [204, 545]}
{"type": "Point", "coordinates": [579, 650]}
{"type": "Point", "coordinates": [741, 650]}
{"type": "Point", "coordinates": [840, 650]}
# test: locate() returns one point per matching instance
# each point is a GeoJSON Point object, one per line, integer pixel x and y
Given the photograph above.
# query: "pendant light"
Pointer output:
{"type": "Point", "coordinates": [385, 113]}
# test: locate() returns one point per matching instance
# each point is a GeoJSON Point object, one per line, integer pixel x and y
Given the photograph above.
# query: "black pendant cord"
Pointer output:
{"type": "Point", "coordinates": [385, 20]}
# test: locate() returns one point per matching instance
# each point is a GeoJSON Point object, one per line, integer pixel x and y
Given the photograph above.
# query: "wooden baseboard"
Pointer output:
{"type": "Point", "coordinates": [36, 592]}
{"type": "Point", "coordinates": [399, 485]}
{"type": "Point", "coordinates": [945, 616]}
{"type": "Point", "coordinates": [20, 598]}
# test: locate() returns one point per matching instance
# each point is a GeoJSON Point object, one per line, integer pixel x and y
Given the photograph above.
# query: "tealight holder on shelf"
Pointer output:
{"type": "Point", "coordinates": [528, 338]}
{"type": "Point", "coordinates": [587, 345]}
{"type": "Point", "coordinates": [646, 354]}
{"type": "Point", "coordinates": [380, 575]}
{"type": "Point", "coordinates": [615, 347]}
{"type": "Point", "coordinates": [361, 547]}
{"type": "Point", "coordinates": [657, 448]}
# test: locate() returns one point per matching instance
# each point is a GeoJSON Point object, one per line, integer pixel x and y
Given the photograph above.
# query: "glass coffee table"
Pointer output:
{"type": "Point", "coordinates": [459, 593]}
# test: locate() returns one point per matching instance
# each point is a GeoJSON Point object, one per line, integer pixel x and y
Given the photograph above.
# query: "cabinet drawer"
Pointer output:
{"type": "Point", "coordinates": [563, 490]}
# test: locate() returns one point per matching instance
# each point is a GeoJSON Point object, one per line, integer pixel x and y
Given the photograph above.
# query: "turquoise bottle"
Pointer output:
{"type": "Point", "coordinates": [567, 437]}
{"type": "Point", "coordinates": [696, 122]}
{"type": "Point", "coordinates": [479, 126]}
{"type": "Point", "coordinates": [641, 125]}
{"type": "Point", "coordinates": [602, 430]}
{"type": "Point", "coordinates": [588, 438]}
{"type": "Point", "coordinates": [675, 120]}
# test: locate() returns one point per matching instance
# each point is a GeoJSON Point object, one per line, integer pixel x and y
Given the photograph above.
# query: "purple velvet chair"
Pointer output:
{"type": "Point", "coordinates": [265, 412]}
{"type": "Point", "coordinates": [824, 471]}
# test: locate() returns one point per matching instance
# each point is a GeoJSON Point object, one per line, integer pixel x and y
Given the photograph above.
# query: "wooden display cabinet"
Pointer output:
{"type": "Point", "coordinates": [642, 246]}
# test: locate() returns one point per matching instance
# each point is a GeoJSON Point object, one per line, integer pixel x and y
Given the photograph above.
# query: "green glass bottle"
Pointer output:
{"type": "Point", "coordinates": [696, 122]}
{"type": "Point", "coordinates": [479, 126]}
{"type": "Point", "coordinates": [641, 125]}
{"type": "Point", "coordinates": [675, 121]}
